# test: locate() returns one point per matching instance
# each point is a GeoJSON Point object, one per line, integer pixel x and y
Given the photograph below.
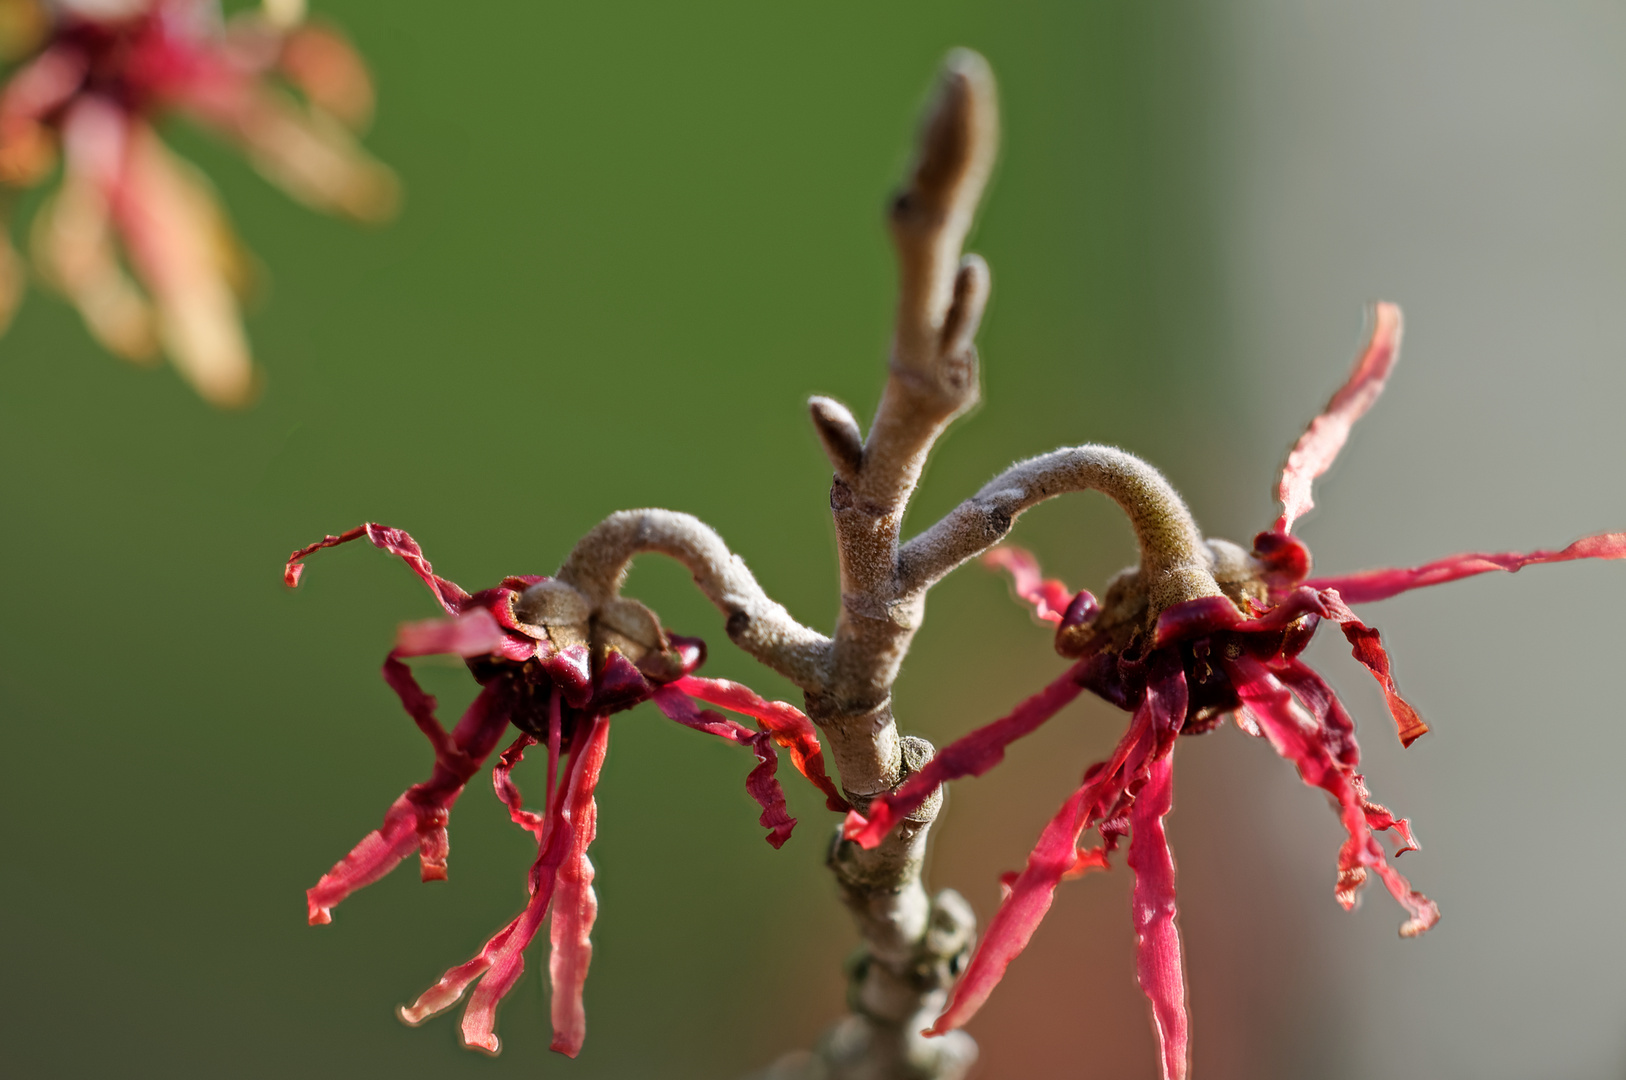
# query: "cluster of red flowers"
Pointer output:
{"type": "Point", "coordinates": [556, 670]}
{"type": "Point", "coordinates": [1181, 671]}
{"type": "Point", "coordinates": [92, 80]}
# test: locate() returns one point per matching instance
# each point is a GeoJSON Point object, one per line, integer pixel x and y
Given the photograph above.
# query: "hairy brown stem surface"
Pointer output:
{"type": "Point", "coordinates": [1173, 557]}
{"type": "Point", "coordinates": [759, 625]}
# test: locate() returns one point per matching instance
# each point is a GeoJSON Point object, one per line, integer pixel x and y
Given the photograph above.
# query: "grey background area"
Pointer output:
{"type": "Point", "coordinates": [636, 237]}
{"type": "Point", "coordinates": [1467, 160]}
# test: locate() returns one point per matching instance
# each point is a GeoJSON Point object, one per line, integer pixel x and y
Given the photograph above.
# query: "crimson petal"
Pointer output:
{"type": "Point", "coordinates": [574, 904]}
{"type": "Point", "coordinates": [571, 670]}
{"type": "Point", "coordinates": [503, 780]}
{"type": "Point", "coordinates": [1271, 706]}
{"type": "Point", "coordinates": [504, 962]}
{"type": "Point", "coordinates": [555, 740]}
{"type": "Point", "coordinates": [1367, 646]}
{"type": "Point", "coordinates": [321, 62]}
{"type": "Point", "coordinates": [1327, 433]}
{"type": "Point", "coordinates": [1382, 818]}
{"type": "Point", "coordinates": [1106, 786]}
{"type": "Point", "coordinates": [418, 818]}
{"type": "Point", "coordinates": [619, 685]}
{"type": "Point", "coordinates": [761, 784]}
{"type": "Point", "coordinates": [1211, 614]}
{"type": "Point", "coordinates": [679, 707]}
{"type": "Point", "coordinates": [1368, 586]}
{"type": "Point", "coordinates": [1157, 941]}
{"type": "Point", "coordinates": [501, 961]}
{"type": "Point", "coordinates": [502, 958]}
{"type": "Point", "coordinates": [396, 542]}
{"type": "Point", "coordinates": [39, 88]}
{"type": "Point", "coordinates": [1337, 726]}
{"type": "Point", "coordinates": [1026, 901]}
{"type": "Point", "coordinates": [969, 755]}
{"type": "Point", "coordinates": [473, 634]}
{"type": "Point", "coordinates": [789, 726]}
{"type": "Point", "coordinates": [1050, 598]}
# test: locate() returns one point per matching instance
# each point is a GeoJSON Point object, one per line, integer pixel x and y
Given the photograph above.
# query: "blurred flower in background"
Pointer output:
{"type": "Point", "coordinates": [88, 81]}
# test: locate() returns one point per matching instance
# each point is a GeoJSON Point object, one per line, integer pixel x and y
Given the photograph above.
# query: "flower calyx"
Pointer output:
{"type": "Point", "coordinates": [556, 612]}
{"type": "Point", "coordinates": [556, 667]}
{"type": "Point", "coordinates": [1124, 621]}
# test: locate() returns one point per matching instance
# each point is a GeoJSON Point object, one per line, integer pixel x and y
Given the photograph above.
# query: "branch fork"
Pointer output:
{"type": "Point", "coordinates": [913, 945]}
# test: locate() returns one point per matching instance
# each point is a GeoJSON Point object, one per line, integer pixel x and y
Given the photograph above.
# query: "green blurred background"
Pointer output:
{"type": "Point", "coordinates": [636, 237]}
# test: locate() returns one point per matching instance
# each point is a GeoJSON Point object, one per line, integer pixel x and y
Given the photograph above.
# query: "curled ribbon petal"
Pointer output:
{"type": "Point", "coordinates": [789, 726]}
{"type": "Point", "coordinates": [1049, 596]}
{"type": "Point", "coordinates": [417, 820]}
{"type": "Point", "coordinates": [1367, 647]}
{"type": "Point", "coordinates": [761, 784]}
{"type": "Point", "coordinates": [969, 755]}
{"type": "Point", "coordinates": [560, 878]}
{"type": "Point", "coordinates": [1271, 706]}
{"type": "Point", "coordinates": [1157, 940]}
{"type": "Point", "coordinates": [1318, 447]}
{"type": "Point", "coordinates": [1106, 788]}
{"type": "Point", "coordinates": [397, 542]}
{"type": "Point", "coordinates": [1368, 586]}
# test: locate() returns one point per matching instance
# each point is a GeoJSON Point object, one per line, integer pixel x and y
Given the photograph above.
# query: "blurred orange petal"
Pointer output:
{"type": "Point", "coordinates": [314, 159]}
{"type": "Point", "coordinates": [171, 223]}
{"type": "Point", "coordinates": [12, 279]}
{"type": "Point", "coordinates": [23, 25]}
{"type": "Point", "coordinates": [283, 14]}
{"type": "Point", "coordinates": [27, 149]}
{"type": "Point", "coordinates": [73, 234]}
{"type": "Point", "coordinates": [27, 154]}
{"type": "Point", "coordinates": [73, 246]}
{"type": "Point", "coordinates": [309, 155]}
{"type": "Point", "coordinates": [322, 64]}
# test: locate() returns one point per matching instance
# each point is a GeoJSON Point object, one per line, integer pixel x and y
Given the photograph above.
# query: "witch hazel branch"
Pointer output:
{"type": "Point", "coordinates": [1200, 630]}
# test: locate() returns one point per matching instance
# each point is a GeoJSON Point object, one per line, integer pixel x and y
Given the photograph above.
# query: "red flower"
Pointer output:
{"type": "Point", "coordinates": [93, 85]}
{"type": "Point", "coordinates": [556, 670]}
{"type": "Point", "coordinates": [1181, 671]}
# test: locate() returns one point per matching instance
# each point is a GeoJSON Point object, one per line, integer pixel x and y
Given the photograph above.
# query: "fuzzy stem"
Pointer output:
{"type": "Point", "coordinates": [913, 945]}
{"type": "Point", "coordinates": [756, 623]}
{"type": "Point", "coordinates": [932, 378]}
{"type": "Point", "coordinates": [1173, 557]}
